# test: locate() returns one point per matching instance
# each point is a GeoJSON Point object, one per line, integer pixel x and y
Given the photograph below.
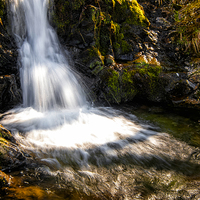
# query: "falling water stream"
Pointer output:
{"type": "Point", "coordinates": [85, 152]}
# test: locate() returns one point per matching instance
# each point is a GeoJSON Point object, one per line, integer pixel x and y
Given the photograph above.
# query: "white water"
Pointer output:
{"type": "Point", "coordinates": [54, 125]}
{"type": "Point", "coordinates": [60, 131]}
{"type": "Point", "coordinates": [94, 150]}
{"type": "Point", "coordinates": [55, 121]}
{"type": "Point", "coordinates": [46, 78]}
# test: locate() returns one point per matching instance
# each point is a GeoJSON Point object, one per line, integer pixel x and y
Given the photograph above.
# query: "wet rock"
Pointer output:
{"type": "Point", "coordinates": [4, 180]}
{"type": "Point", "coordinates": [10, 92]}
{"type": "Point", "coordinates": [163, 22]}
{"type": "Point", "coordinates": [4, 133]}
{"type": "Point", "coordinates": [109, 60]}
{"type": "Point", "coordinates": [125, 57]}
{"type": "Point", "coordinates": [11, 156]}
{"type": "Point", "coordinates": [8, 52]}
{"type": "Point", "coordinates": [106, 38]}
{"type": "Point", "coordinates": [9, 73]}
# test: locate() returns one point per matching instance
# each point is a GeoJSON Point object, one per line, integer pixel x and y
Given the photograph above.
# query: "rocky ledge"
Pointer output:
{"type": "Point", "coordinates": [132, 50]}
{"type": "Point", "coordinates": [125, 50]}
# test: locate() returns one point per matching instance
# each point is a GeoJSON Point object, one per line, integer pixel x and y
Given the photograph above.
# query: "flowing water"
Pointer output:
{"type": "Point", "coordinates": [46, 79]}
{"type": "Point", "coordinates": [85, 152]}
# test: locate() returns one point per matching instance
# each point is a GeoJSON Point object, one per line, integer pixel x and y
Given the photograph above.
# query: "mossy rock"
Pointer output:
{"type": "Point", "coordinates": [10, 154]}
{"type": "Point", "coordinates": [123, 85]}
{"type": "Point", "coordinates": [128, 85]}
{"type": "Point", "coordinates": [102, 24]}
{"type": "Point", "coordinates": [110, 85]}
{"type": "Point", "coordinates": [4, 133]}
{"type": "Point", "coordinates": [2, 9]}
{"type": "Point", "coordinates": [131, 12]}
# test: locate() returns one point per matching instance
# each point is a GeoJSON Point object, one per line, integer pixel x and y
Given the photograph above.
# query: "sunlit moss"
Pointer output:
{"type": "Point", "coordinates": [187, 27]}
{"type": "Point", "coordinates": [106, 16]}
{"type": "Point", "coordinates": [122, 86]}
{"type": "Point", "coordinates": [4, 179]}
{"type": "Point", "coordinates": [110, 79]}
{"type": "Point", "coordinates": [131, 11]}
{"type": "Point", "coordinates": [150, 74]}
{"type": "Point", "coordinates": [95, 53]}
{"type": "Point", "coordinates": [128, 87]}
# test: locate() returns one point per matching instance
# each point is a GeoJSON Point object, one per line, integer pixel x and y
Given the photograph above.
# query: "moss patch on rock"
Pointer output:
{"type": "Point", "coordinates": [2, 8]}
{"type": "Point", "coordinates": [105, 20]}
{"type": "Point", "coordinates": [128, 85]}
{"type": "Point", "coordinates": [110, 81]}
{"type": "Point", "coordinates": [123, 85]}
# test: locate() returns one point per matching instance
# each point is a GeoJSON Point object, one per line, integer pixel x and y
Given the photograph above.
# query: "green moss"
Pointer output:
{"type": "Point", "coordinates": [107, 17]}
{"type": "Point", "coordinates": [119, 44]}
{"type": "Point", "coordinates": [122, 86]}
{"type": "Point", "coordinates": [104, 39]}
{"type": "Point", "coordinates": [150, 74]}
{"type": "Point", "coordinates": [98, 68]}
{"type": "Point", "coordinates": [187, 27]}
{"type": "Point", "coordinates": [151, 70]}
{"type": "Point", "coordinates": [2, 8]}
{"type": "Point", "coordinates": [95, 53]}
{"type": "Point", "coordinates": [77, 4]}
{"type": "Point", "coordinates": [95, 60]}
{"type": "Point", "coordinates": [61, 17]}
{"type": "Point", "coordinates": [128, 85]}
{"type": "Point", "coordinates": [110, 81]}
{"type": "Point", "coordinates": [131, 12]}
{"type": "Point", "coordinates": [113, 85]}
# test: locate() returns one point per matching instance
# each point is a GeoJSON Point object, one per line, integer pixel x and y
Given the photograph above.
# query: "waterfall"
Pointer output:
{"type": "Point", "coordinates": [91, 152]}
{"type": "Point", "coordinates": [54, 123]}
{"type": "Point", "coordinates": [47, 80]}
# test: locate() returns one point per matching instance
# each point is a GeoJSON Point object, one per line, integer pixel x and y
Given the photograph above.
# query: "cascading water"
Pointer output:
{"type": "Point", "coordinates": [47, 80]}
{"type": "Point", "coordinates": [98, 151]}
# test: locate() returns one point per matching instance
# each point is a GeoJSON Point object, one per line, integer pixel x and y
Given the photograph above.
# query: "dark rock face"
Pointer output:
{"type": "Point", "coordinates": [9, 73]}
{"type": "Point", "coordinates": [95, 32]}
{"type": "Point", "coordinates": [10, 93]}
{"type": "Point", "coordinates": [11, 157]}
{"type": "Point", "coordinates": [117, 47]}
{"type": "Point", "coordinates": [8, 53]}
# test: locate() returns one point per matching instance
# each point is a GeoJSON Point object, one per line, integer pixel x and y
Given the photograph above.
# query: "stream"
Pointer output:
{"type": "Point", "coordinates": [79, 151]}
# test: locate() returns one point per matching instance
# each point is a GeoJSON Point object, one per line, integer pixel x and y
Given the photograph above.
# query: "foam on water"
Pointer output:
{"type": "Point", "coordinates": [75, 133]}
